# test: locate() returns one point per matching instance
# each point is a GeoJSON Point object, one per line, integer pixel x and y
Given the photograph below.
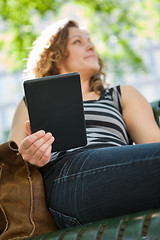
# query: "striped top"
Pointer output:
{"type": "Point", "coordinates": [104, 123]}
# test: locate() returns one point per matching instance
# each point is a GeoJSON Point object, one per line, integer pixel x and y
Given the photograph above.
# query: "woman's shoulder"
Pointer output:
{"type": "Point", "coordinates": [128, 88]}
{"type": "Point", "coordinates": [133, 99]}
{"type": "Point", "coordinates": [129, 93]}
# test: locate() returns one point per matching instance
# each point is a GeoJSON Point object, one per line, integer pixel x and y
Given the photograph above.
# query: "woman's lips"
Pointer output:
{"type": "Point", "coordinates": [91, 56]}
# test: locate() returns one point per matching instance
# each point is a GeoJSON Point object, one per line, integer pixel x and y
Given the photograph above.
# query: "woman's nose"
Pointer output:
{"type": "Point", "coordinates": [90, 47]}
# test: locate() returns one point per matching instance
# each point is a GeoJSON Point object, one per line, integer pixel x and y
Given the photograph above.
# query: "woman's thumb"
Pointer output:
{"type": "Point", "coordinates": [28, 127]}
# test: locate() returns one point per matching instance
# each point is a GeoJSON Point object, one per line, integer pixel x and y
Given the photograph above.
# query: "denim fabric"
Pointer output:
{"type": "Point", "coordinates": [106, 182]}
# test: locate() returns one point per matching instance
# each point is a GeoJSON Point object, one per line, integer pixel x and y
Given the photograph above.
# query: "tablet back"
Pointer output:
{"type": "Point", "coordinates": [55, 105]}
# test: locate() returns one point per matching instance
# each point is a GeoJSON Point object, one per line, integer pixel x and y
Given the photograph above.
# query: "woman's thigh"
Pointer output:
{"type": "Point", "coordinates": [106, 182]}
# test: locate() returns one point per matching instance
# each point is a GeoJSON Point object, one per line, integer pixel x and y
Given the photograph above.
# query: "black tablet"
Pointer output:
{"type": "Point", "coordinates": [55, 105]}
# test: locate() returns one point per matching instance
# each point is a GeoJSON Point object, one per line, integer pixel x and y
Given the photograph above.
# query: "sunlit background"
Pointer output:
{"type": "Point", "coordinates": [126, 33]}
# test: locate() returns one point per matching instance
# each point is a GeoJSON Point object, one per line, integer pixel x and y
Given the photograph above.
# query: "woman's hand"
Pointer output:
{"type": "Point", "coordinates": [36, 147]}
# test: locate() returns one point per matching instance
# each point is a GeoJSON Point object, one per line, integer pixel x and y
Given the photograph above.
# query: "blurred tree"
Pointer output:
{"type": "Point", "coordinates": [19, 19]}
{"type": "Point", "coordinates": [116, 22]}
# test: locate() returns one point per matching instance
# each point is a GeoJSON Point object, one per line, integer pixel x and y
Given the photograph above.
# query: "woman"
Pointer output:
{"type": "Point", "coordinates": [109, 176]}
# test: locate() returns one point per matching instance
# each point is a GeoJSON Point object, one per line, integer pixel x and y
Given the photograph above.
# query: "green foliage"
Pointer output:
{"type": "Point", "coordinates": [18, 16]}
{"type": "Point", "coordinates": [115, 22]}
{"type": "Point", "coordinates": [2, 44]}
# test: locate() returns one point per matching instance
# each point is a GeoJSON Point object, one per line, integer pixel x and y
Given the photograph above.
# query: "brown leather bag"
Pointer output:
{"type": "Point", "coordinates": [23, 210]}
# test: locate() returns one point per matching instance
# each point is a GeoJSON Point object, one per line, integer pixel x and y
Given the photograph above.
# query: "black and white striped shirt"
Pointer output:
{"type": "Point", "coordinates": [104, 123]}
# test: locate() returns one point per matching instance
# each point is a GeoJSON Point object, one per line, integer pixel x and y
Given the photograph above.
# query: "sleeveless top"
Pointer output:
{"type": "Point", "coordinates": [105, 126]}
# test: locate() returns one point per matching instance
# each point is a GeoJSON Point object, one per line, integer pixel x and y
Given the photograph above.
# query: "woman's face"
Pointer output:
{"type": "Point", "coordinates": [82, 56]}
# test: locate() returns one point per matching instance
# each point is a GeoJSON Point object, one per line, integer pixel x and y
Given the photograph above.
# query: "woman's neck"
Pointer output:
{"type": "Point", "coordinates": [85, 87]}
{"type": "Point", "coordinates": [86, 93]}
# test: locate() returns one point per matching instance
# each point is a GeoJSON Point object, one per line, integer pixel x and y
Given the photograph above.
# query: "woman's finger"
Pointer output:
{"type": "Point", "coordinates": [41, 150]}
{"type": "Point", "coordinates": [28, 141]}
{"type": "Point", "coordinates": [28, 127]}
{"type": "Point", "coordinates": [45, 158]}
{"type": "Point", "coordinates": [38, 144]}
{"type": "Point", "coordinates": [42, 156]}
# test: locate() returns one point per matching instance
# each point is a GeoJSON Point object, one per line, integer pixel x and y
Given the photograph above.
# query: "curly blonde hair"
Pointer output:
{"type": "Point", "coordinates": [55, 51]}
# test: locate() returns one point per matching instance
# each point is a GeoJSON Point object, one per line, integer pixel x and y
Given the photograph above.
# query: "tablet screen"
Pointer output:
{"type": "Point", "coordinates": [55, 105]}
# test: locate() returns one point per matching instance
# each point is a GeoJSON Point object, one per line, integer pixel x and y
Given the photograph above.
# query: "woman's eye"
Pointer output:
{"type": "Point", "coordinates": [77, 41]}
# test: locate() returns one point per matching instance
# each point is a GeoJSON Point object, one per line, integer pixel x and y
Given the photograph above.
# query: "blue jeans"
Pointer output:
{"type": "Point", "coordinates": [106, 182]}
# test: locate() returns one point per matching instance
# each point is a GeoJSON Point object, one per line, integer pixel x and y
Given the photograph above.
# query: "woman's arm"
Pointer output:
{"type": "Point", "coordinates": [18, 131]}
{"type": "Point", "coordinates": [138, 116]}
